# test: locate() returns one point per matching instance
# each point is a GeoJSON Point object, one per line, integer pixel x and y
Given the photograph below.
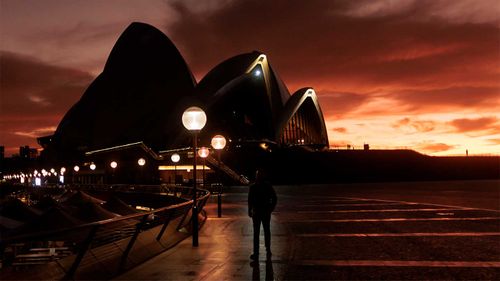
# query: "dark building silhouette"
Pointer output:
{"type": "Point", "coordinates": [146, 85]}
{"type": "Point", "coordinates": [26, 152]}
{"type": "Point", "coordinates": [45, 141]}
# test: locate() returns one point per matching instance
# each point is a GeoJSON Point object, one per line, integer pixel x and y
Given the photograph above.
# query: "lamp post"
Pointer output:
{"type": "Point", "coordinates": [218, 143]}
{"type": "Point", "coordinates": [61, 175]}
{"type": "Point", "coordinates": [175, 158]}
{"type": "Point", "coordinates": [203, 153]}
{"type": "Point", "coordinates": [76, 168]}
{"type": "Point", "coordinates": [113, 165]}
{"type": "Point", "coordinates": [141, 162]}
{"type": "Point", "coordinates": [194, 119]}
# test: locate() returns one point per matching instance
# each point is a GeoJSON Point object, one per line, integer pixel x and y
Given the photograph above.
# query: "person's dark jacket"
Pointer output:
{"type": "Point", "coordinates": [261, 198]}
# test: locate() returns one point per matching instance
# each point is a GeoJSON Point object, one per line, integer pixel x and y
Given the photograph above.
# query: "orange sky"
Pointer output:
{"type": "Point", "coordinates": [422, 75]}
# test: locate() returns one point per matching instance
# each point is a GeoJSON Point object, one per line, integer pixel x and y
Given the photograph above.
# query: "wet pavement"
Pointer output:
{"type": "Point", "coordinates": [405, 231]}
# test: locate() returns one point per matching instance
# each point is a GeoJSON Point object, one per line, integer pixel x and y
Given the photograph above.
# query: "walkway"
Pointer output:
{"type": "Point", "coordinates": [348, 232]}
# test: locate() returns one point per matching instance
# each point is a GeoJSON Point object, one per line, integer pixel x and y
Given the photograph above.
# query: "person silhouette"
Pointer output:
{"type": "Point", "coordinates": [262, 200]}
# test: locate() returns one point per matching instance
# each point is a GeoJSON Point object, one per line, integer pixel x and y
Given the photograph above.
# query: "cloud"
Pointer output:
{"type": "Point", "coordinates": [337, 50]}
{"type": "Point", "coordinates": [431, 147]}
{"type": "Point", "coordinates": [494, 141]}
{"type": "Point", "coordinates": [378, 8]}
{"type": "Point", "coordinates": [89, 31]}
{"type": "Point", "coordinates": [341, 130]}
{"type": "Point", "coordinates": [23, 130]}
{"type": "Point", "coordinates": [35, 96]}
{"type": "Point", "coordinates": [414, 126]}
{"type": "Point", "coordinates": [464, 125]}
{"type": "Point", "coordinates": [339, 103]}
{"type": "Point", "coordinates": [458, 97]}
{"type": "Point", "coordinates": [457, 11]}
{"type": "Point", "coordinates": [341, 144]}
{"type": "Point", "coordinates": [31, 87]}
{"type": "Point", "coordinates": [38, 132]}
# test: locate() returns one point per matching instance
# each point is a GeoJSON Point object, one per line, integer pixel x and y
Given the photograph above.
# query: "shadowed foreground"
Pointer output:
{"type": "Point", "coordinates": [410, 231]}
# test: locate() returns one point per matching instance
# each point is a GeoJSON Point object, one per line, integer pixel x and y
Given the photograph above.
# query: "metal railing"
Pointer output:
{"type": "Point", "coordinates": [227, 170]}
{"type": "Point", "coordinates": [102, 249]}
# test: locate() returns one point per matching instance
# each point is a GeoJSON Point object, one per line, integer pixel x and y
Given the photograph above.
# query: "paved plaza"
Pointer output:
{"type": "Point", "coordinates": [410, 231]}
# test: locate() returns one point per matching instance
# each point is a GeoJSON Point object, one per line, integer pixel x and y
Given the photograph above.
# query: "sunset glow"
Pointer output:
{"type": "Point", "coordinates": [422, 75]}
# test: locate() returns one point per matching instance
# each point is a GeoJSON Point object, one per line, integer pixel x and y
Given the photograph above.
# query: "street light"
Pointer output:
{"type": "Point", "coordinates": [203, 153]}
{"type": "Point", "coordinates": [194, 119]}
{"type": "Point", "coordinates": [92, 166]}
{"type": "Point", "coordinates": [218, 143]}
{"type": "Point", "coordinates": [141, 163]}
{"type": "Point", "coordinates": [113, 165]}
{"type": "Point", "coordinates": [175, 158]}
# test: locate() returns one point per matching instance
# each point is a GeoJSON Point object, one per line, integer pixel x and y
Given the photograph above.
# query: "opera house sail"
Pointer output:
{"type": "Point", "coordinates": [146, 84]}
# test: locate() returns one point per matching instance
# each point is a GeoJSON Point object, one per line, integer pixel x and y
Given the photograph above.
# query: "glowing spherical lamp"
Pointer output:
{"type": "Point", "coordinates": [218, 142]}
{"type": "Point", "coordinates": [175, 157]}
{"type": "Point", "coordinates": [194, 118]}
{"type": "Point", "coordinates": [141, 162]}
{"type": "Point", "coordinates": [203, 152]}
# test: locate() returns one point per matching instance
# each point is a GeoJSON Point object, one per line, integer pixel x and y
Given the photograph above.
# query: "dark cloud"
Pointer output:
{"type": "Point", "coordinates": [464, 125]}
{"type": "Point", "coordinates": [35, 88]}
{"type": "Point", "coordinates": [339, 103]}
{"type": "Point", "coordinates": [457, 11]}
{"type": "Point", "coordinates": [483, 97]}
{"type": "Point", "coordinates": [35, 96]}
{"type": "Point", "coordinates": [322, 45]}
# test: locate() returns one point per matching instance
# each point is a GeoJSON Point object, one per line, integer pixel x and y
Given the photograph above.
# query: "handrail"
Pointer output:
{"type": "Point", "coordinates": [227, 170]}
{"type": "Point", "coordinates": [103, 222]}
{"type": "Point", "coordinates": [107, 235]}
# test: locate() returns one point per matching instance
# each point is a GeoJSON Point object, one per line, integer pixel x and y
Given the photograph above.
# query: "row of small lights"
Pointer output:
{"type": "Point", "coordinates": [43, 172]}
{"type": "Point", "coordinates": [112, 164]}
{"type": "Point", "coordinates": [218, 142]}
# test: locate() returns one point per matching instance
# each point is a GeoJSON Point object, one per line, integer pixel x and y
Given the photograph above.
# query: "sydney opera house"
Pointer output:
{"type": "Point", "coordinates": [146, 85]}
